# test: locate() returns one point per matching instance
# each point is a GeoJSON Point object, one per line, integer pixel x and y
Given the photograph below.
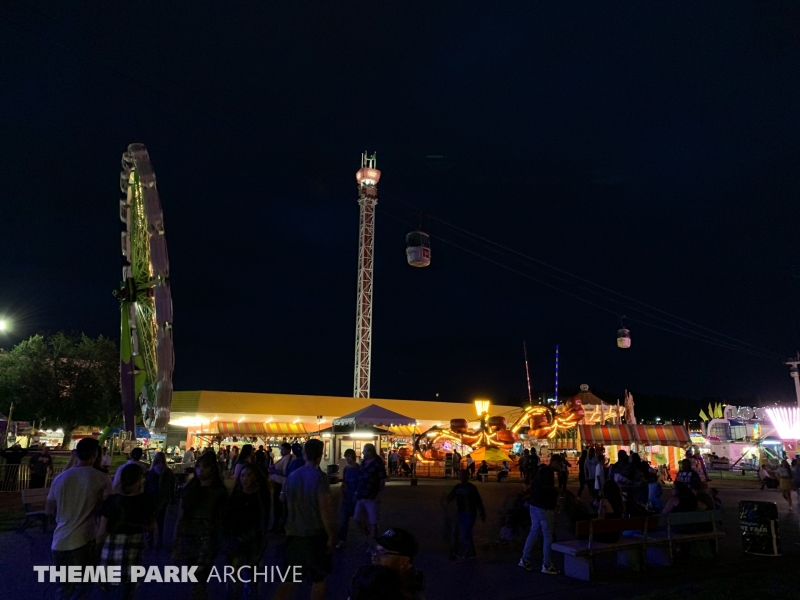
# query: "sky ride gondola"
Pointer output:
{"type": "Point", "coordinates": [418, 249]}
{"type": "Point", "coordinates": [623, 336]}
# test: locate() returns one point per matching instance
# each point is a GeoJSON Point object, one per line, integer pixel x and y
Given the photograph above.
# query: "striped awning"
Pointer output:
{"type": "Point", "coordinates": [607, 435]}
{"type": "Point", "coordinates": [662, 435]}
{"type": "Point", "coordinates": [624, 435]}
{"type": "Point", "coordinates": [285, 428]}
{"type": "Point", "coordinates": [241, 428]}
{"type": "Point", "coordinates": [405, 430]}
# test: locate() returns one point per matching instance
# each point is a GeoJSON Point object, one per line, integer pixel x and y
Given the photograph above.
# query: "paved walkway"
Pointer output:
{"type": "Point", "coordinates": [492, 575]}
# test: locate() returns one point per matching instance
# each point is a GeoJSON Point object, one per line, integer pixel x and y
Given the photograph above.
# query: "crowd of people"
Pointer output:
{"type": "Point", "coordinates": [112, 521]}
{"type": "Point", "coordinates": [287, 494]}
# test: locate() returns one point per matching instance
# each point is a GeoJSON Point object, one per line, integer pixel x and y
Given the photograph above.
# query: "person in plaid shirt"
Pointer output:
{"type": "Point", "coordinates": [126, 517]}
{"type": "Point", "coordinates": [371, 480]}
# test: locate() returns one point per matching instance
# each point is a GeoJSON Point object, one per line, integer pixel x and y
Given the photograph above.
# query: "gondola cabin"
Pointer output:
{"type": "Point", "coordinates": [418, 249]}
{"type": "Point", "coordinates": [623, 338]}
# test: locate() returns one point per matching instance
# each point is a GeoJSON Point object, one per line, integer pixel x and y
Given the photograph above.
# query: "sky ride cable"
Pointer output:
{"type": "Point", "coordinates": [694, 336]}
{"type": "Point", "coordinates": [588, 282]}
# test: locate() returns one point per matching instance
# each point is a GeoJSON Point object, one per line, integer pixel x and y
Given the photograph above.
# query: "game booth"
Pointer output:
{"type": "Point", "coordinates": [658, 444]}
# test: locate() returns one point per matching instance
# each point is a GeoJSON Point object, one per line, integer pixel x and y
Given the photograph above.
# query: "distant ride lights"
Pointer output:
{"type": "Point", "coordinates": [543, 422]}
{"type": "Point", "coordinates": [786, 420]}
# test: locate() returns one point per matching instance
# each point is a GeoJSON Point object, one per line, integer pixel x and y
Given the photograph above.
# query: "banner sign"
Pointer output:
{"type": "Point", "coordinates": [758, 522]}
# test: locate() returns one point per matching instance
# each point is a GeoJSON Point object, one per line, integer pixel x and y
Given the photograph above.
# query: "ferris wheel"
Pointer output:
{"type": "Point", "coordinates": [146, 352]}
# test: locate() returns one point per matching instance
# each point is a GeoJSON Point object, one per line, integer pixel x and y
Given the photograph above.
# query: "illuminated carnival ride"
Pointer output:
{"type": "Point", "coordinates": [543, 422]}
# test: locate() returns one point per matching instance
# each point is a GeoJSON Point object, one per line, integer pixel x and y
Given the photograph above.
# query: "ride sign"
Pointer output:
{"type": "Point", "coordinates": [758, 522]}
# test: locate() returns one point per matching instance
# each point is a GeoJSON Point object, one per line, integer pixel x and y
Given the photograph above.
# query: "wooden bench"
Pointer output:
{"type": "Point", "coordinates": [34, 501]}
{"type": "Point", "coordinates": [661, 544]}
{"type": "Point", "coordinates": [579, 554]}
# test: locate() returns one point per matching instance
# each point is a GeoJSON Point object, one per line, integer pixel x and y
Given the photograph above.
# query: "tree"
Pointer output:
{"type": "Point", "coordinates": [70, 380]}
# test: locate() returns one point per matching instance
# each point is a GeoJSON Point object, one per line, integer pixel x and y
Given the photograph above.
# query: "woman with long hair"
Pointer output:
{"type": "Point", "coordinates": [246, 457]}
{"type": "Point", "coordinates": [198, 535]}
{"type": "Point", "coordinates": [126, 517]}
{"type": "Point", "coordinates": [159, 485]}
{"type": "Point", "coordinates": [785, 481]}
{"type": "Point", "coordinates": [245, 525]}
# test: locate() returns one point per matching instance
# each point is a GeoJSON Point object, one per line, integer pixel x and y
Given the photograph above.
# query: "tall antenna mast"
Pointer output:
{"type": "Point", "coordinates": [367, 177]}
{"type": "Point", "coordinates": [527, 372]}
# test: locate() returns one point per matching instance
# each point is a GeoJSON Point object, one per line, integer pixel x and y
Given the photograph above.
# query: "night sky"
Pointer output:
{"type": "Point", "coordinates": [652, 148]}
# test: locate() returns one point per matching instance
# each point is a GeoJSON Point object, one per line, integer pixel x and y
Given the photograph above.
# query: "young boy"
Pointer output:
{"type": "Point", "coordinates": [470, 505]}
{"type": "Point", "coordinates": [348, 505]}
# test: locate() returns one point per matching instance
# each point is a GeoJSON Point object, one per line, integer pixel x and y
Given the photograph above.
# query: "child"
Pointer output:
{"type": "Point", "coordinates": [348, 505]}
{"type": "Point", "coordinates": [470, 506]}
{"type": "Point", "coordinates": [654, 502]}
{"type": "Point", "coordinates": [126, 517]}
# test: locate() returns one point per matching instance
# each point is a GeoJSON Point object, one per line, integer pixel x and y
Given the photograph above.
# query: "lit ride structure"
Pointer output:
{"type": "Point", "coordinates": [146, 351]}
{"type": "Point", "coordinates": [543, 422]}
{"type": "Point", "coordinates": [367, 178]}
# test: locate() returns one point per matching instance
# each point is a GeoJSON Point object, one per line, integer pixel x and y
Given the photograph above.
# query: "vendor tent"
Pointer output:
{"type": "Point", "coordinates": [374, 416]}
{"type": "Point", "coordinates": [625, 435]}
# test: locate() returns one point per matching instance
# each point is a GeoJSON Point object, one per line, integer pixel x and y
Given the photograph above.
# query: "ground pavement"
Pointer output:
{"type": "Point", "coordinates": [493, 574]}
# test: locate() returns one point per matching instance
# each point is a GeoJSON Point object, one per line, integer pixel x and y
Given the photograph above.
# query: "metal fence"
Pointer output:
{"type": "Point", "coordinates": [15, 478]}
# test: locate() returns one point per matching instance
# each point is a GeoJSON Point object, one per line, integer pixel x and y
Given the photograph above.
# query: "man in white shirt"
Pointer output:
{"type": "Point", "coordinates": [278, 478]}
{"type": "Point", "coordinates": [599, 477]}
{"type": "Point", "coordinates": [74, 499]}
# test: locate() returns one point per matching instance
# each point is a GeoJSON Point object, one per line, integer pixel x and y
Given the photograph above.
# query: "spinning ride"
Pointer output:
{"type": "Point", "coordinates": [543, 422]}
{"type": "Point", "coordinates": [146, 351]}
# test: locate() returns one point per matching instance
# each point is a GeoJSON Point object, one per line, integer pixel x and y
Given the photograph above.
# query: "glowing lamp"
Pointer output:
{"type": "Point", "coordinates": [482, 406]}
{"type": "Point", "coordinates": [3, 325]}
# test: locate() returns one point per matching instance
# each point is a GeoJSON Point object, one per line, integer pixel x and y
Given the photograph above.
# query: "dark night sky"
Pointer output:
{"type": "Point", "coordinates": [654, 150]}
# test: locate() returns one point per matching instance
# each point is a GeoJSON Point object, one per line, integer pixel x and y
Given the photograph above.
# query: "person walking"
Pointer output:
{"type": "Point", "coordinates": [471, 466]}
{"type": "Point", "coordinates": [199, 530]}
{"type": "Point", "coordinates": [126, 517]}
{"type": "Point", "coordinates": [247, 457]}
{"type": "Point", "coordinates": [563, 473]}
{"type": "Point", "coordinates": [371, 481]}
{"type": "Point", "coordinates": [470, 507]}
{"type": "Point", "coordinates": [233, 457]}
{"type": "Point", "coordinates": [785, 481]}
{"type": "Point", "coordinates": [348, 503]}
{"type": "Point", "coordinates": [245, 526]}
{"type": "Point", "coordinates": [533, 464]}
{"type": "Point", "coordinates": [261, 458]}
{"type": "Point", "coordinates": [524, 464]}
{"type": "Point", "coordinates": [135, 459]}
{"type": "Point", "coordinates": [105, 460]}
{"type": "Point", "coordinates": [41, 464]}
{"type": "Point", "coordinates": [542, 506]}
{"type": "Point", "coordinates": [589, 468]}
{"type": "Point", "coordinates": [159, 486]}
{"type": "Point", "coordinates": [297, 459]}
{"type": "Point", "coordinates": [309, 524]}
{"type": "Point", "coordinates": [188, 456]}
{"type": "Point", "coordinates": [582, 471]}
{"type": "Point", "coordinates": [278, 478]}
{"type": "Point", "coordinates": [74, 500]}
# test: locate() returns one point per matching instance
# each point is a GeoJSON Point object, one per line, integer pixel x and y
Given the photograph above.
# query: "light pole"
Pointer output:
{"type": "Point", "coordinates": [8, 424]}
